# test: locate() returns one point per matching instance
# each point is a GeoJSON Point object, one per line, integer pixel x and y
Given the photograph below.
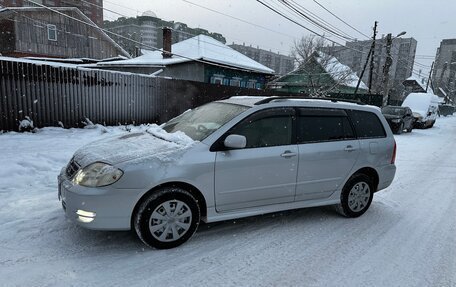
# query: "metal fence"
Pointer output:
{"type": "Point", "coordinates": [60, 95]}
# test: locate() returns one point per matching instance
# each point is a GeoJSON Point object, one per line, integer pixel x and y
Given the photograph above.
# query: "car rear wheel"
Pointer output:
{"type": "Point", "coordinates": [356, 196]}
{"type": "Point", "coordinates": [400, 129]}
{"type": "Point", "coordinates": [167, 218]}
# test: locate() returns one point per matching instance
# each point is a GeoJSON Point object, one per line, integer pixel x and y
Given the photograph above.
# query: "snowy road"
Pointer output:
{"type": "Point", "coordinates": [407, 238]}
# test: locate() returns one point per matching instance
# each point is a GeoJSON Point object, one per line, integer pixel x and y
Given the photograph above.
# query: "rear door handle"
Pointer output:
{"type": "Point", "coordinates": [288, 153]}
{"type": "Point", "coordinates": [349, 148]}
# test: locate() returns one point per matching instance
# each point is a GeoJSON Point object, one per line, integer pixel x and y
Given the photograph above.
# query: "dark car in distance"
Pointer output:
{"type": "Point", "coordinates": [399, 118]}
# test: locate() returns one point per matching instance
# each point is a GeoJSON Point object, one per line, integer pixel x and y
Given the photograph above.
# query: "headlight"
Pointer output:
{"type": "Point", "coordinates": [97, 174]}
{"type": "Point", "coordinates": [396, 121]}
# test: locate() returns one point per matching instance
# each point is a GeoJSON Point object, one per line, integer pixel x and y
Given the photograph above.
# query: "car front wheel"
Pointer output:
{"type": "Point", "coordinates": [356, 196]}
{"type": "Point", "coordinates": [167, 218]}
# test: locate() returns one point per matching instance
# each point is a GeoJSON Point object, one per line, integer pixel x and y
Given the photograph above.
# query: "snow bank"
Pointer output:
{"type": "Point", "coordinates": [406, 238]}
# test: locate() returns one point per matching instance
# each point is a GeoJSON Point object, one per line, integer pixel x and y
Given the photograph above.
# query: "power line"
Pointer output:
{"type": "Point", "coordinates": [239, 19]}
{"type": "Point", "coordinates": [340, 19]}
{"type": "Point", "coordinates": [314, 22]}
{"type": "Point", "coordinates": [297, 23]}
{"type": "Point", "coordinates": [182, 32]}
{"type": "Point", "coordinates": [126, 7]}
{"type": "Point", "coordinates": [321, 19]}
{"type": "Point", "coordinates": [123, 15]}
{"type": "Point", "coordinates": [134, 41]}
{"type": "Point", "coordinates": [101, 7]}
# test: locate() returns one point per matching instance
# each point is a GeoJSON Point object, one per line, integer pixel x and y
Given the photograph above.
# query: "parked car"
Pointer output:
{"type": "Point", "coordinates": [446, 110]}
{"type": "Point", "coordinates": [228, 159]}
{"type": "Point", "coordinates": [399, 118]}
{"type": "Point", "coordinates": [425, 108]}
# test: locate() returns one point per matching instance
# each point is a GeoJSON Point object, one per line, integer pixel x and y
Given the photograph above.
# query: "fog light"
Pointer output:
{"type": "Point", "coordinates": [85, 216]}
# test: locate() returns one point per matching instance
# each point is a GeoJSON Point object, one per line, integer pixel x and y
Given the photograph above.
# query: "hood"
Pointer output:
{"type": "Point", "coordinates": [154, 143]}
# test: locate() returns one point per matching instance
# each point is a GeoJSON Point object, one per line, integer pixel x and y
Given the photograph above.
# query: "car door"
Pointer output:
{"type": "Point", "coordinates": [328, 150]}
{"type": "Point", "coordinates": [264, 172]}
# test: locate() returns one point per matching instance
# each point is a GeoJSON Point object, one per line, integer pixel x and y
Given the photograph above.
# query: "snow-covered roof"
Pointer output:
{"type": "Point", "coordinates": [82, 67]}
{"type": "Point", "coordinates": [421, 81]}
{"type": "Point", "coordinates": [200, 47]}
{"type": "Point", "coordinates": [339, 71]}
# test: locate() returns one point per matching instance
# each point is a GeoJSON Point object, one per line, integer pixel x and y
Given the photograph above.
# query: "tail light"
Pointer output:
{"type": "Point", "coordinates": [393, 158]}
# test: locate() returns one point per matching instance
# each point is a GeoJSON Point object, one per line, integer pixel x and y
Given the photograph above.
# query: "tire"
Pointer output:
{"type": "Point", "coordinates": [156, 223]}
{"type": "Point", "coordinates": [356, 196]}
{"type": "Point", "coordinates": [400, 129]}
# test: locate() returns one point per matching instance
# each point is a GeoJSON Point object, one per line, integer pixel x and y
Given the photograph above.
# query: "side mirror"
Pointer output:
{"type": "Point", "coordinates": [235, 141]}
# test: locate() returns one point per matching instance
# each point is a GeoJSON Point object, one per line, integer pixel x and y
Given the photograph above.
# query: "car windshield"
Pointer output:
{"type": "Point", "coordinates": [202, 121]}
{"type": "Point", "coordinates": [399, 111]}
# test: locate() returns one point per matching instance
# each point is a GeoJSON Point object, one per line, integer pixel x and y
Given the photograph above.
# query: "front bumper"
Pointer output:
{"type": "Point", "coordinates": [109, 208]}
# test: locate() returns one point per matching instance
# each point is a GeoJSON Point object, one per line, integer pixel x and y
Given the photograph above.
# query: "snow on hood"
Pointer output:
{"type": "Point", "coordinates": [154, 143]}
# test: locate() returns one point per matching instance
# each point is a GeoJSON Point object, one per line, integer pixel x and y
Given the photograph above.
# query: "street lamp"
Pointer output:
{"type": "Point", "coordinates": [400, 34]}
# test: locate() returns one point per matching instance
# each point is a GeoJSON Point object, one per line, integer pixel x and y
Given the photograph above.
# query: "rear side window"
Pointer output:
{"type": "Point", "coordinates": [323, 125]}
{"type": "Point", "coordinates": [323, 128]}
{"type": "Point", "coordinates": [267, 128]}
{"type": "Point", "coordinates": [367, 124]}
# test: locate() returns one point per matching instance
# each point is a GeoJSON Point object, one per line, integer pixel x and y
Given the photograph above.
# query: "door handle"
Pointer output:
{"type": "Point", "coordinates": [349, 148]}
{"type": "Point", "coordinates": [288, 153]}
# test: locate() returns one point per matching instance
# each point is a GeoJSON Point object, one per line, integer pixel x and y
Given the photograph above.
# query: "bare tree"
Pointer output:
{"type": "Point", "coordinates": [305, 47]}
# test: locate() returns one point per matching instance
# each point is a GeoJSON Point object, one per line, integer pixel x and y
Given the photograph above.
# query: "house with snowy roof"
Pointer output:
{"type": "Point", "coordinates": [201, 59]}
{"type": "Point", "coordinates": [415, 84]}
{"type": "Point", "coordinates": [321, 73]}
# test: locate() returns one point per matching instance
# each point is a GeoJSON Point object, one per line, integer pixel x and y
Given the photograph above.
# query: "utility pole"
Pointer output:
{"type": "Point", "coordinates": [429, 79]}
{"type": "Point", "coordinates": [372, 57]}
{"type": "Point", "coordinates": [386, 67]}
{"type": "Point", "coordinates": [364, 69]}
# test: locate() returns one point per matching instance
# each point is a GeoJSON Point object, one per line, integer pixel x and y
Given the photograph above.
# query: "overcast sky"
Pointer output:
{"type": "Point", "coordinates": [427, 21]}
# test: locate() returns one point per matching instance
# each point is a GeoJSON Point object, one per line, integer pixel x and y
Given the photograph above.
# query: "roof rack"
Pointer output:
{"type": "Point", "coordinates": [334, 100]}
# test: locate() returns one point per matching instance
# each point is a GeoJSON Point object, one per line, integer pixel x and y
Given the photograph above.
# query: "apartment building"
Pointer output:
{"type": "Point", "coordinates": [281, 64]}
{"type": "Point", "coordinates": [403, 52]}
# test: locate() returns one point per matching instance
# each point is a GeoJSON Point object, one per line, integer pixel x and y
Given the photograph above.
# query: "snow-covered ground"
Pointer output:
{"type": "Point", "coordinates": [407, 238]}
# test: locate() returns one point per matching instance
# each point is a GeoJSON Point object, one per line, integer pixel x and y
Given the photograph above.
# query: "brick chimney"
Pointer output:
{"type": "Point", "coordinates": [167, 43]}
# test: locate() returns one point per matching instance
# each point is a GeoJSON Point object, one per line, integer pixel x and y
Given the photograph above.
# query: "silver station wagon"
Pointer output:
{"type": "Point", "coordinates": [228, 159]}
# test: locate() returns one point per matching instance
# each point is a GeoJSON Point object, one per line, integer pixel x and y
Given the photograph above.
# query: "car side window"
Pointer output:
{"type": "Point", "coordinates": [367, 124]}
{"type": "Point", "coordinates": [323, 127]}
{"type": "Point", "coordinates": [267, 128]}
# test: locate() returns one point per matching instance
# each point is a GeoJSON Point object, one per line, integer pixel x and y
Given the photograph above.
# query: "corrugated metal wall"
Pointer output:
{"type": "Point", "coordinates": [49, 95]}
